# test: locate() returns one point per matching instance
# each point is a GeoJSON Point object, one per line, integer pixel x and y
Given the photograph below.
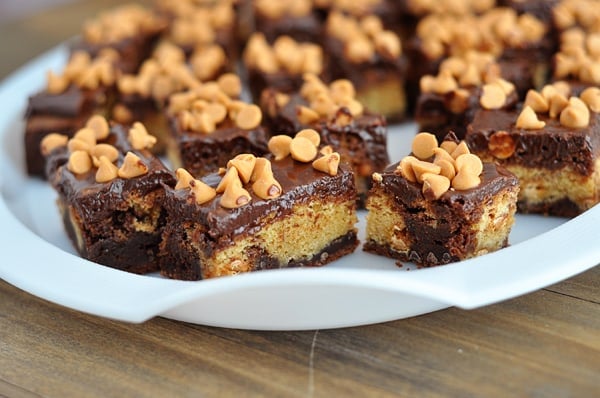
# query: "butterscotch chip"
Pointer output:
{"type": "Point", "coordinates": [244, 163]}
{"type": "Point", "coordinates": [442, 154]}
{"type": "Point", "coordinates": [104, 150]}
{"type": "Point", "coordinates": [423, 145]}
{"type": "Point", "coordinates": [506, 86]}
{"type": "Point", "coordinates": [52, 141]}
{"type": "Point", "coordinates": [230, 84]}
{"type": "Point", "coordinates": [312, 135]}
{"type": "Point", "coordinates": [132, 166]}
{"type": "Point", "coordinates": [79, 162]}
{"type": "Point", "coordinates": [87, 135]}
{"type": "Point", "coordinates": [469, 163]}
{"type": "Point", "coordinates": [377, 177]}
{"type": "Point", "coordinates": [492, 97]}
{"type": "Point", "coordinates": [342, 88]}
{"type": "Point", "coordinates": [279, 145]}
{"type": "Point", "coordinates": [99, 125]}
{"type": "Point", "coordinates": [306, 115]}
{"type": "Point", "coordinates": [354, 106]}
{"type": "Point", "coordinates": [281, 99]}
{"type": "Point", "coordinates": [470, 77]}
{"type": "Point", "coordinates": [122, 114]}
{"type": "Point", "coordinates": [328, 163]}
{"type": "Point", "coordinates": [203, 122]}
{"type": "Point", "coordinates": [217, 111]}
{"type": "Point", "coordinates": [248, 117]}
{"type": "Point", "coordinates": [528, 120]}
{"type": "Point", "coordinates": [575, 115]}
{"type": "Point", "coordinates": [558, 102]}
{"type": "Point", "coordinates": [323, 104]}
{"type": "Point", "coordinates": [446, 168]}
{"type": "Point", "coordinates": [230, 175]}
{"type": "Point", "coordinates": [359, 50]}
{"type": "Point", "coordinates": [234, 194]}
{"type": "Point", "coordinates": [387, 44]}
{"type": "Point", "coordinates": [421, 167]}
{"type": "Point", "coordinates": [107, 170]}
{"type": "Point", "coordinates": [202, 192]}
{"type": "Point", "coordinates": [460, 149]}
{"type": "Point", "coordinates": [537, 101]}
{"type": "Point", "coordinates": [448, 146]}
{"type": "Point", "coordinates": [591, 96]}
{"type": "Point", "coordinates": [77, 144]}
{"type": "Point", "coordinates": [405, 168]}
{"type": "Point", "coordinates": [326, 150]}
{"type": "Point", "coordinates": [464, 180]}
{"type": "Point", "coordinates": [183, 178]}
{"type": "Point", "coordinates": [302, 149]}
{"type": "Point", "coordinates": [57, 84]}
{"type": "Point", "coordinates": [139, 138]}
{"type": "Point", "coordinates": [265, 186]}
{"type": "Point", "coordinates": [435, 185]}
{"type": "Point", "coordinates": [444, 83]}
{"type": "Point", "coordinates": [501, 145]}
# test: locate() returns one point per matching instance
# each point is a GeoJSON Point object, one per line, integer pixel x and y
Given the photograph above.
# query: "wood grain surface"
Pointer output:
{"type": "Point", "coordinates": [544, 344]}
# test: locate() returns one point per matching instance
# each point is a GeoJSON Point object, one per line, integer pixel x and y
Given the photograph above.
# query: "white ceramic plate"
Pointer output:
{"type": "Point", "coordinates": [358, 289]}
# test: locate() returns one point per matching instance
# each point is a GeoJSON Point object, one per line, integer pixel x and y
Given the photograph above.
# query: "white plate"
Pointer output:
{"type": "Point", "coordinates": [358, 289]}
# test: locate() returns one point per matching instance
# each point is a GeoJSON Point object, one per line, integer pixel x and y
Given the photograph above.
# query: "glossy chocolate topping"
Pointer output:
{"type": "Point", "coordinates": [300, 182]}
{"type": "Point", "coordinates": [493, 179]}
{"type": "Point", "coordinates": [552, 147]}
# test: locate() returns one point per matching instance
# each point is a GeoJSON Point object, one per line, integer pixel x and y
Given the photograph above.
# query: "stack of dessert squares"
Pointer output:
{"type": "Point", "coordinates": [204, 138]}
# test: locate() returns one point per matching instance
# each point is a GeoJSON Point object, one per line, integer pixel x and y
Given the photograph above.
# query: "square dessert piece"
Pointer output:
{"type": "Point", "coordinates": [110, 200]}
{"type": "Point", "coordinates": [83, 88]}
{"type": "Point", "coordinates": [144, 96]}
{"type": "Point", "coordinates": [194, 24]}
{"type": "Point", "coordinates": [362, 51]}
{"type": "Point", "coordinates": [359, 135]}
{"type": "Point", "coordinates": [551, 143]}
{"type": "Point", "coordinates": [519, 42]}
{"type": "Point", "coordinates": [208, 128]}
{"type": "Point", "coordinates": [130, 30]}
{"type": "Point", "coordinates": [281, 65]}
{"type": "Point", "coordinates": [448, 101]}
{"type": "Point", "coordinates": [293, 18]}
{"type": "Point", "coordinates": [295, 210]}
{"type": "Point", "coordinates": [440, 205]}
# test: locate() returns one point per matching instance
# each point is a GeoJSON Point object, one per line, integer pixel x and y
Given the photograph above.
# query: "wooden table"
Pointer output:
{"type": "Point", "coordinates": [544, 344]}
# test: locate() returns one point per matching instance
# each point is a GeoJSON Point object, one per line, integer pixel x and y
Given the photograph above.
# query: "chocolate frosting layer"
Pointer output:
{"type": "Point", "coordinates": [494, 179]}
{"type": "Point", "coordinates": [97, 201]}
{"type": "Point", "coordinates": [553, 147]}
{"type": "Point", "coordinates": [300, 182]}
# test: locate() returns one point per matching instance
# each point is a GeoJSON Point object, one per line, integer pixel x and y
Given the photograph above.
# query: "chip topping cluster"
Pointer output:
{"type": "Point", "coordinates": [121, 23]}
{"type": "Point", "coordinates": [336, 101]}
{"type": "Point", "coordinates": [474, 69]}
{"type": "Point", "coordinates": [440, 168]}
{"type": "Point", "coordinates": [554, 100]}
{"type": "Point", "coordinates": [85, 72]}
{"type": "Point", "coordinates": [286, 54]}
{"type": "Point", "coordinates": [241, 170]}
{"type": "Point", "coordinates": [86, 153]}
{"type": "Point", "coordinates": [304, 147]}
{"type": "Point", "coordinates": [579, 56]}
{"type": "Point", "coordinates": [363, 38]}
{"type": "Point", "coordinates": [207, 106]}
{"type": "Point", "coordinates": [492, 31]}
